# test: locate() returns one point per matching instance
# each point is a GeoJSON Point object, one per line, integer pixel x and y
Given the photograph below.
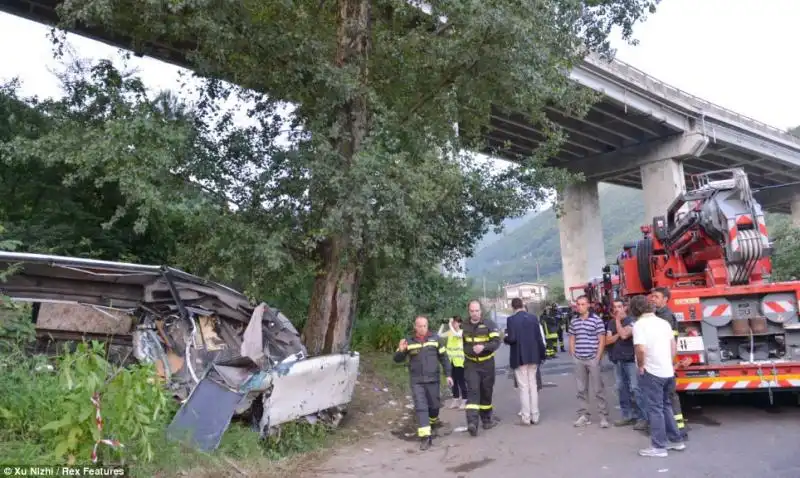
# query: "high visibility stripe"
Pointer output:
{"type": "Point", "coordinates": [442, 350]}
{"type": "Point", "coordinates": [494, 334]}
{"type": "Point", "coordinates": [423, 432]}
{"type": "Point", "coordinates": [475, 406]}
{"type": "Point", "coordinates": [430, 343]}
{"type": "Point", "coordinates": [679, 420]}
{"type": "Point", "coordinates": [433, 420]}
{"type": "Point", "coordinates": [745, 382]}
{"type": "Point", "coordinates": [479, 338]}
{"type": "Point", "coordinates": [479, 359]}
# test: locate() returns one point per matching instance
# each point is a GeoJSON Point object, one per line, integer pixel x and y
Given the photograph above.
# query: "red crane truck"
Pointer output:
{"type": "Point", "coordinates": [737, 329]}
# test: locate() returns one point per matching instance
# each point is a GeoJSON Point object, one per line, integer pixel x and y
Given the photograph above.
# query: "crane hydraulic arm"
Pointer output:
{"type": "Point", "coordinates": [712, 234]}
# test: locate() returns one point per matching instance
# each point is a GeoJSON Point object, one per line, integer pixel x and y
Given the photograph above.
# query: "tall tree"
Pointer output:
{"type": "Point", "coordinates": [370, 91]}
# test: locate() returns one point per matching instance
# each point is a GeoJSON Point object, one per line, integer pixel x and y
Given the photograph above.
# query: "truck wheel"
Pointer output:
{"type": "Point", "coordinates": [644, 250]}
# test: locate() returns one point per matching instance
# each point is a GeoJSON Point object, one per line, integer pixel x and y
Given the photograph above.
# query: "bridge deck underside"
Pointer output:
{"type": "Point", "coordinates": [610, 127]}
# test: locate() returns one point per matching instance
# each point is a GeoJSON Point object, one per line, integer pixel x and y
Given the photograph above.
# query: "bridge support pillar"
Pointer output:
{"type": "Point", "coordinates": [581, 232]}
{"type": "Point", "coordinates": [662, 182]}
{"type": "Point", "coordinates": [795, 208]}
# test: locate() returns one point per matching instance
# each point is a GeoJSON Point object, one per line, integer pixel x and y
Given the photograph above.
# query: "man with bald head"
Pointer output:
{"type": "Point", "coordinates": [481, 341]}
{"type": "Point", "coordinates": [425, 352]}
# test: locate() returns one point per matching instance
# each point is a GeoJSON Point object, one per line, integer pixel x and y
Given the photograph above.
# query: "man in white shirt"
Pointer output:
{"type": "Point", "coordinates": [655, 349]}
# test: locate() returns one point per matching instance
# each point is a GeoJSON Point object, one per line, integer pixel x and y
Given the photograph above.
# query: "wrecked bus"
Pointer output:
{"type": "Point", "coordinates": [220, 355]}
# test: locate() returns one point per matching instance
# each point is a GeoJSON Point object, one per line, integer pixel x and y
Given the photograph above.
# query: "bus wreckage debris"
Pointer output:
{"type": "Point", "coordinates": [217, 353]}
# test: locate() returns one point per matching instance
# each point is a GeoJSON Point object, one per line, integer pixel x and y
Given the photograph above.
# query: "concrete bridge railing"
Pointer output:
{"type": "Point", "coordinates": [699, 106]}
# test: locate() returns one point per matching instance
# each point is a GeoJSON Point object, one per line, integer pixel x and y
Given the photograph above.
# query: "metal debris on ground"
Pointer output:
{"type": "Point", "coordinates": [216, 352]}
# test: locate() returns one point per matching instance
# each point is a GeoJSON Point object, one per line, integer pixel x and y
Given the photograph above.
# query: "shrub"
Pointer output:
{"type": "Point", "coordinates": [375, 335]}
{"type": "Point", "coordinates": [54, 412]}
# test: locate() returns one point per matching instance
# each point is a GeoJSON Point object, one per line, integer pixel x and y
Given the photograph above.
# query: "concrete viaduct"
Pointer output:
{"type": "Point", "coordinates": [643, 134]}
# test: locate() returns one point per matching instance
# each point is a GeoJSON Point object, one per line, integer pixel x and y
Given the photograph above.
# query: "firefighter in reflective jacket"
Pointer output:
{"type": "Point", "coordinates": [425, 351]}
{"type": "Point", "coordinates": [481, 340]}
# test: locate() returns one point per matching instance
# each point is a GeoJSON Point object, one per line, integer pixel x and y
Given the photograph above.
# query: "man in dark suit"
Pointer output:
{"type": "Point", "coordinates": [524, 335]}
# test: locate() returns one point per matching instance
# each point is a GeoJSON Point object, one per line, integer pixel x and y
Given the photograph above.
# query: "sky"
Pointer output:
{"type": "Point", "coordinates": [730, 52]}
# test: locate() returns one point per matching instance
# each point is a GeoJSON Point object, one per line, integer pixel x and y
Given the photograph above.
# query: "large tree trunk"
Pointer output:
{"type": "Point", "coordinates": [333, 301]}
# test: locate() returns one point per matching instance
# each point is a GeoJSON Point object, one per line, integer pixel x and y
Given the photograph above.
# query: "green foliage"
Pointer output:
{"type": "Point", "coordinates": [555, 293]}
{"type": "Point", "coordinates": [48, 416]}
{"type": "Point", "coordinates": [134, 407]}
{"type": "Point", "coordinates": [786, 244]}
{"type": "Point", "coordinates": [16, 327]}
{"type": "Point", "coordinates": [71, 204]}
{"type": "Point", "coordinates": [393, 297]}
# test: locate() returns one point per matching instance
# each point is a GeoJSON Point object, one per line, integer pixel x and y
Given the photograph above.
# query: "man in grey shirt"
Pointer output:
{"type": "Point", "coordinates": [587, 341]}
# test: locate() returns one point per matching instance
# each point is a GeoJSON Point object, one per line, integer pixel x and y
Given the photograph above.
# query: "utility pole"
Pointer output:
{"type": "Point", "coordinates": [537, 271]}
{"type": "Point", "coordinates": [484, 288]}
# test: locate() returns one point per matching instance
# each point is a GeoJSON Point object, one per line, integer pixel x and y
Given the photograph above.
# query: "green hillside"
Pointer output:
{"type": "Point", "coordinates": [509, 226]}
{"type": "Point", "coordinates": [512, 257]}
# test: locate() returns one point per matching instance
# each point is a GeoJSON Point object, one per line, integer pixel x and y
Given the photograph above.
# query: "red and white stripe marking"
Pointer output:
{"type": "Point", "coordinates": [99, 422]}
{"type": "Point", "coordinates": [762, 230]}
{"type": "Point", "coordinates": [721, 310]}
{"type": "Point", "coordinates": [737, 384]}
{"type": "Point", "coordinates": [779, 306]}
{"type": "Point", "coordinates": [733, 233]}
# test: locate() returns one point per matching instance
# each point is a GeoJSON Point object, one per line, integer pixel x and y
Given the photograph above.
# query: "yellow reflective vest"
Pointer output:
{"type": "Point", "coordinates": [455, 348]}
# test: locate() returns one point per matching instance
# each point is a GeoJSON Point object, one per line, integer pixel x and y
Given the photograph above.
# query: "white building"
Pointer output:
{"type": "Point", "coordinates": [527, 291]}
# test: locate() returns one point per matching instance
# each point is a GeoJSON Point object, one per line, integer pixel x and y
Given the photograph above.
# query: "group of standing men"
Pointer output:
{"type": "Point", "coordinates": [640, 340]}
{"type": "Point", "coordinates": [426, 351]}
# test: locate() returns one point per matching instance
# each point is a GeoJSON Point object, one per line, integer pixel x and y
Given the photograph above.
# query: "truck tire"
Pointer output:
{"type": "Point", "coordinates": [644, 250]}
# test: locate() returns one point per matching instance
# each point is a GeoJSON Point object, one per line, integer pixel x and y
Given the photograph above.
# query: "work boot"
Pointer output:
{"type": "Point", "coordinates": [472, 428]}
{"type": "Point", "coordinates": [640, 425]}
{"type": "Point", "coordinates": [488, 425]}
{"type": "Point", "coordinates": [625, 422]}
{"type": "Point", "coordinates": [425, 443]}
{"type": "Point", "coordinates": [435, 425]}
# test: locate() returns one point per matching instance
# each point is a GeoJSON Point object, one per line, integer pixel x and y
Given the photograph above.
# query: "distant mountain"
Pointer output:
{"type": "Point", "coordinates": [513, 255]}
{"type": "Point", "coordinates": [509, 225]}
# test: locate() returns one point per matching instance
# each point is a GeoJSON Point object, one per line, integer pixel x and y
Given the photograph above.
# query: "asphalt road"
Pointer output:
{"type": "Point", "coordinates": [729, 438]}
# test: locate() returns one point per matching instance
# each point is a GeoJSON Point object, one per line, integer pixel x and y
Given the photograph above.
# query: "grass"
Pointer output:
{"type": "Point", "coordinates": [384, 368]}
{"type": "Point", "coordinates": [29, 399]}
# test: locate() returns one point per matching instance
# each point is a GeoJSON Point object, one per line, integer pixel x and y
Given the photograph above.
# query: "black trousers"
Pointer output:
{"type": "Point", "coordinates": [480, 386]}
{"type": "Point", "coordinates": [427, 402]}
{"type": "Point", "coordinates": [459, 383]}
{"type": "Point", "coordinates": [677, 412]}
